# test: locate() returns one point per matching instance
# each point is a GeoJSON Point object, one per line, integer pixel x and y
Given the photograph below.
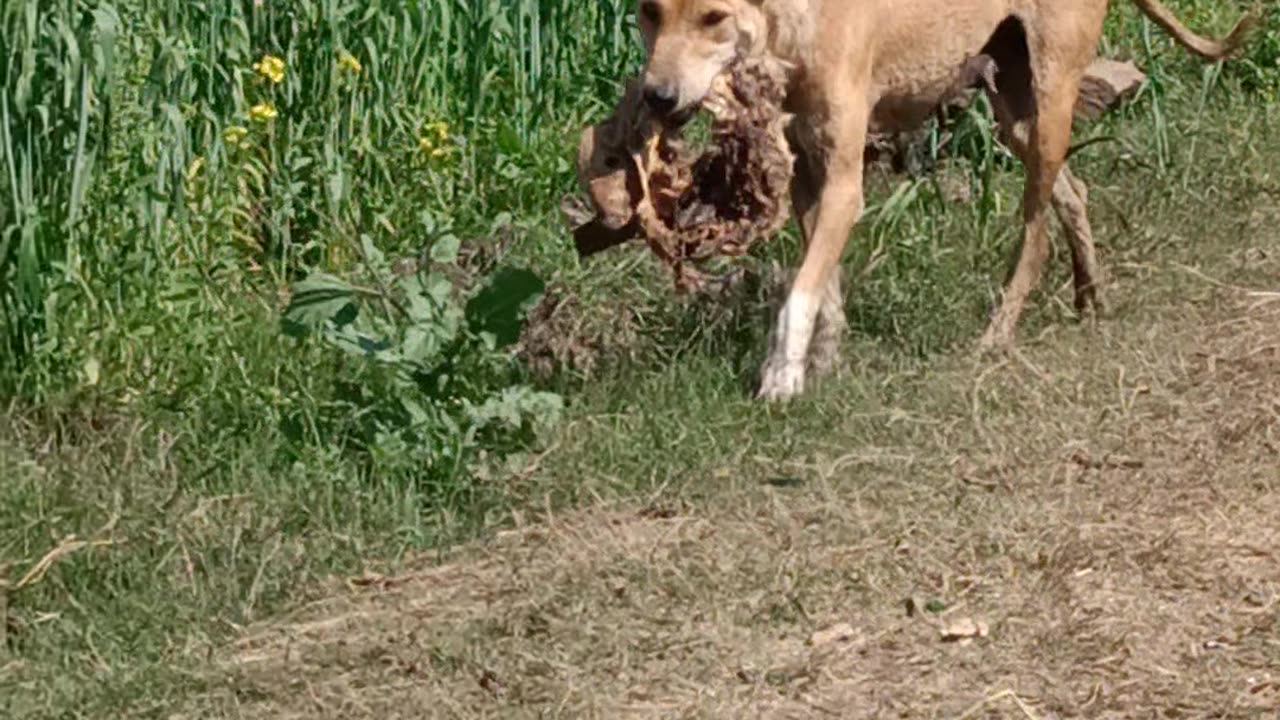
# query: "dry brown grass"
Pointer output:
{"type": "Point", "coordinates": [1106, 501]}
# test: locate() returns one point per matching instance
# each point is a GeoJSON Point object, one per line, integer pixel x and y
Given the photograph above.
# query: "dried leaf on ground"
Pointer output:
{"type": "Point", "coordinates": [838, 633]}
{"type": "Point", "coordinates": [965, 628]}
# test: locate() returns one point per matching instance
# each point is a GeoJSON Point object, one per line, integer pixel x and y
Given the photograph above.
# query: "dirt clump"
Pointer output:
{"type": "Point", "coordinates": [564, 333]}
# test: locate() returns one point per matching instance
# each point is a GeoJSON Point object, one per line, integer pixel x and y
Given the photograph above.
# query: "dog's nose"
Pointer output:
{"type": "Point", "coordinates": [660, 98]}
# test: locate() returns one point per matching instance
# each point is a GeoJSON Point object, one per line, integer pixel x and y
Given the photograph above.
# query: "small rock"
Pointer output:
{"type": "Point", "coordinates": [1106, 84]}
{"type": "Point", "coordinates": [490, 682]}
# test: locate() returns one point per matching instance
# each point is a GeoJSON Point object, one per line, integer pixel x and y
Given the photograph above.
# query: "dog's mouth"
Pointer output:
{"type": "Point", "coordinates": [678, 119]}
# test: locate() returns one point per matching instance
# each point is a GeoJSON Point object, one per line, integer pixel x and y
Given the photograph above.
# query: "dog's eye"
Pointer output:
{"type": "Point", "coordinates": [652, 12]}
{"type": "Point", "coordinates": [714, 18]}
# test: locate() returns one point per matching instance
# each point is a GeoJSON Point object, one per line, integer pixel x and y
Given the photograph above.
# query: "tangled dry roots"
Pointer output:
{"type": "Point", "coordinates": [691, 209]}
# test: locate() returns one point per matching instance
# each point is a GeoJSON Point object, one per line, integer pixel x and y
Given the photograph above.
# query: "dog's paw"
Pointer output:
{"type": "Point", "coordinates": [781, 381]}
{"type": "Point", "coordinates": [824, 350]}
{"type": "Point", "coordinates": [1001, 328]}
{"type": "Point", "coordinates": [998, 338]}
{"type": "Point", "coordinates": [824, 356]}
{"type": "Point", "coordinates": [1088, 302]}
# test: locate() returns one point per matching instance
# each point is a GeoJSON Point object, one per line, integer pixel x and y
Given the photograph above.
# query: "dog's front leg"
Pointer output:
{"type": "Point", "coordinates": [839, 206]}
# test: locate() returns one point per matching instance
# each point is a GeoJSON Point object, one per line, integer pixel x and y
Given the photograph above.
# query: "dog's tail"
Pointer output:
{"type": "Point", "coordinates": [1202, 47]}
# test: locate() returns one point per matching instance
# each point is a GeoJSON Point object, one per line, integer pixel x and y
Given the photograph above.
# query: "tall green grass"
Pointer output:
{"type": "Point", "coordinates": [118, 178]}
{"type": "Point", "coordinates": [153, 227]}
{"type": "Point", "coordinates": [172, 168]}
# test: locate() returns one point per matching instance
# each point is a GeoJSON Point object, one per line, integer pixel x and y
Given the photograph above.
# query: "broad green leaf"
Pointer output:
{"type": "Point", "coordinates": [516, 405]}
{"type": "Point", "coordinates": [501, 305]}
{"type": "Point", "coordinates": [363, 344]}
{"type": "Point", "coordinates": [319, 299]}
{"type": "Point", "coordinates": [445, 250]}
{"type": "Point", "coordinates": [375, 257]}
{"type": "Point", "coordinates": [440, 290]}
{"type": "Point", "coordinates": [418, 415]}
{"type": "Point", "coordinates": [500, 222]}
{"type": "Point", "coordinates": [422, 344]}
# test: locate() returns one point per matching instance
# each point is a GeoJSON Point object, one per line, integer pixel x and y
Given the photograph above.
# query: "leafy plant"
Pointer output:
{"type": "Point", "coordinates": [1259, 68]}
{"type": "Point", "coordinates": [436, 384]}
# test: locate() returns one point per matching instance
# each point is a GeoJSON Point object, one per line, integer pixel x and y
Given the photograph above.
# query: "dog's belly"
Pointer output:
{"type": "Point", "coordinates": [903, 112]}
{"type": "Point", "coordinates": [920, 61]}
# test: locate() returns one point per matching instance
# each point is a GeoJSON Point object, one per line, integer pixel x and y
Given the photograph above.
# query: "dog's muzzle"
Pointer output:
{"type": "Point", "coordinates": [664, 102]}
{"type": "Point", "coordinates": [661, 99]}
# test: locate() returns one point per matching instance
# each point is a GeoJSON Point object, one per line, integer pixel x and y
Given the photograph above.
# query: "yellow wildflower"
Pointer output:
{"type": "Point", "coordinates": [431, 149]}
{"type": "Point", "coordinates": [348, 62]}
{"type": "Point", "coordinates": [271, 68]}
{"type": "Point", "coordinates": [262, 112]}
{"type": "Point", "coordinates": [235, 135]}
{"type": "Point", "coordinates": [439, 129]}
{"type": "Point", "coordinates": [434, 142]}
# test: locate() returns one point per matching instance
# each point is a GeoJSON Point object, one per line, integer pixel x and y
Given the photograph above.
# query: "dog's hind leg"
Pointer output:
{"type": "Point", "coordinates": [826, 225]}
{"type": "Point", "coordinates": [828, 334]}
{"type": "Point", "coordinates": [1071, 203]}
{"type": "Point", "coordinates": [1043, 158]}
{"type": "Point", "coordinates": [1035, 103]}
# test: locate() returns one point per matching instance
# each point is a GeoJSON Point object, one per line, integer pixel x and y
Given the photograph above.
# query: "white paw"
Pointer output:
{"type": "Point", "coordinates": [781, 381]}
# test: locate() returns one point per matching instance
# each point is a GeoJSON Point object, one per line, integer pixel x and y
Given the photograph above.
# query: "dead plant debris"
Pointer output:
{"type": "Point", "coordinates": [562, 333]}
{"type": "Point", "coordinates": [643, 178]}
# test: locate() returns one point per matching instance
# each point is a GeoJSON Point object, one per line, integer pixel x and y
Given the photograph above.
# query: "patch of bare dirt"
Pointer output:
{"type": "Point", "coordinates": [1089, 528]}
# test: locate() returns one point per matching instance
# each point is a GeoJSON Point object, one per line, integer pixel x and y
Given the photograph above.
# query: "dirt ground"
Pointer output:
{"type": "Point", "coordinates": [1104, 504]}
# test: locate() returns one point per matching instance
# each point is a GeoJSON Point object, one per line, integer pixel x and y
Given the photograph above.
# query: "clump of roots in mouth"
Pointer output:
{"type": "Point", "coordinates": [693, 208]}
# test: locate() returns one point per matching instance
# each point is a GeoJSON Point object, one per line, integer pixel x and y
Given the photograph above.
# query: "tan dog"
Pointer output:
{"type": "Point", "coordinates": [884, 65]}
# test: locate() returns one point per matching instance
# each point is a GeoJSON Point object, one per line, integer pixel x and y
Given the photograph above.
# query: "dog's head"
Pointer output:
{"type": "Point", "coordinates": [606, 167]}
{"type": "Point", "coordinates": [689, 43]}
